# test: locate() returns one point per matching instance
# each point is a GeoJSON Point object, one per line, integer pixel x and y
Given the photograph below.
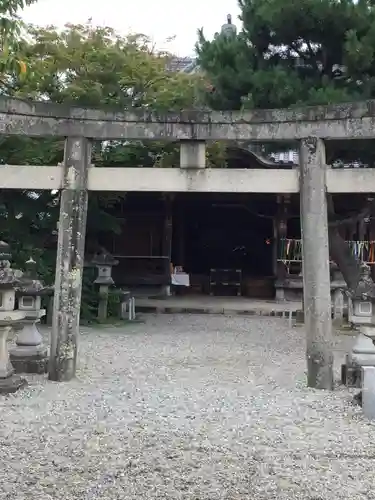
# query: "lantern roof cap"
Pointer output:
{"type": "Point", "coordinates": [365, 289]}
{"type": "Point", "coordinates": [9, 277]}
{"type": "Point", "coordinates": [104, 258]}
{"type": "Point", "coordinates": [30, 284]}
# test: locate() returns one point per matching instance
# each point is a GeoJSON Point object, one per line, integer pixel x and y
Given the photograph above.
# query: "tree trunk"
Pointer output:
{"type": "Point", "coordinates": [347, 263]}
{"type": "Point", "coordinates": [340, 252]}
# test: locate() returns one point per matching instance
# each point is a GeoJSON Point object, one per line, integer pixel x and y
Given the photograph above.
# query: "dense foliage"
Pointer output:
{"type": "Point", "coordinates": [10, 36]}
{"type": "Point", "coordinates": [87, 66]}
{"type": "Point", "coordinates": [289, 53]}
{"type": "Point", "coordinates": [295, 53]}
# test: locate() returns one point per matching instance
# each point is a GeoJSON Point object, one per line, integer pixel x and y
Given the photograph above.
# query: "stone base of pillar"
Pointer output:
{"type": "Point", "coordinates": [351, 374]}
{"type": "Point", "coordinates": [338, 302]}
{"type": "Point", "coordinates": [300, 317]}
{"type": "Point", "coordinates": [363, 351]}
{"type": "Point", "coordinates": [11, 384]}
{"type": "Point", "coordinates": [29, 359]}
{"type": "Point", "coordinates": [368, 392]}
{"type": "Point", "coordinates": [361, 355]}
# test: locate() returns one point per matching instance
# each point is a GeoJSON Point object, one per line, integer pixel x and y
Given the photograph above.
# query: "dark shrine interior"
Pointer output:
{"type": "Point", "coordinates": [223, 231]}
{"type": "Point", "coordinates": [208, 231]}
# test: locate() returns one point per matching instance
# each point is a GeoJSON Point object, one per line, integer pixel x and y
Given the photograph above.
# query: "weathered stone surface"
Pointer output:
{"type": "Point", "coordinates": [368, 392]}
{"type": "Point", "coordinates": [348, 120]}
{"type": "Point", "coordinates": [29, 355]}
{"type": "Point", "coordinates": [11, 384]}
{"type": "Point", "coordinates": [192, 154]}
{"type": "Point", "coordinates": [316, 273]}
{"type": "Point", "coordinates": [347, 110]}
{"type": "Point", "coordinates": [70, 260]}
{"type": "Point", "coordinates": [211, 180]}
{"type": "Point", "coordinates": [37, 363]}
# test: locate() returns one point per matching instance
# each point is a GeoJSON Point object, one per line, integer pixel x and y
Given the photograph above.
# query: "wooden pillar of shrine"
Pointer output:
{"type": "Point", "coordinates": [179, 231]}
{"type": "Point", "coordinates": [280, 230]}
{"type": "Point", "coordinates": [371, 238]}
{"type": "Point", "coordinates": [167, 241]}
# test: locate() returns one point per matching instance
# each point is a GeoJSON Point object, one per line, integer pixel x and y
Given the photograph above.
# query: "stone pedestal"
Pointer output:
{"type": "Point", "coordinates": [368, 392]}
{"type": "Point", "coordinates": [29, 355]}
{"type": "Point", "coordinates": [360, 313]}
{"type": "Point", "coordinates": [6, 368]}
{"type": "Point", "coordinates": [9, 382]}
{"type": "Point", "coordinates": [361, 355]}
{"type": "Point", "coordinates": [363, 351]}
{"type": "Point", "coordinates": [338, 304]}
{"type": "Point", "coordinates": [103, 302]}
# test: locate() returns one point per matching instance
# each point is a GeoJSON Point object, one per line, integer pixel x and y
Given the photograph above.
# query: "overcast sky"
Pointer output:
{"type": "Point", "coordinates": [158, 19]}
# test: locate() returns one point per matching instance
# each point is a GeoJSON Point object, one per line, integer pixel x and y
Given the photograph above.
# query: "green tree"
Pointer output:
{"type": "Point", "coordinates": [287, 54]}
{"type": "Point", "coordinates": [10, 36]}
{"type": "Point", "coordinates": [299, 53]}
{"type": "Point", "coordinates": [290, 54]}
{"type": "Point", "coordinates": [92, 66]}
{"type": "Point", "coordinates": [87, 66]}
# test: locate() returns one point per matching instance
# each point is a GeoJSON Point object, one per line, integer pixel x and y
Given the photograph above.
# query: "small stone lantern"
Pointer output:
{"type": "Point", "coordinates": [360, 313]}
{"type": "Point", "coordinates": [9, 318]}
{"type": "Point", "coordinates": [29, 355]}
{"type": "Point", "coordinates": [104, 263]}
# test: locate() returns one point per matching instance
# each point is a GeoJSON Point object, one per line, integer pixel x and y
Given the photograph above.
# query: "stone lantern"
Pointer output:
{"type": "Point", "coordinates": [9, 318]}
{"type": "Point", "coordinates": [361, 304]}
{"type": "Point", "coordinates": [104, 263]}
{"type": "Point", "coordinates": [29, 355]}
{"type": "Point", "coordinates": [229, 29]}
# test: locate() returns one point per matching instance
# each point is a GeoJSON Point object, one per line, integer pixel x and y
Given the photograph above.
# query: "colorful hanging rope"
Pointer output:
{"type": "Point", "coordinates": [363, 250]}
{"type": "Point", "coordinates": [290, 250]}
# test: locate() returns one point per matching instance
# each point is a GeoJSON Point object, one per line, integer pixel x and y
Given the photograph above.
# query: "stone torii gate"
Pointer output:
{"type": "Point", "coordinates": [310, 127]}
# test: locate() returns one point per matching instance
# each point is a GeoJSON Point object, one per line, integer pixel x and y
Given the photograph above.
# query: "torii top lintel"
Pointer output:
{"type": "Point", "coordinates": [340, 121]}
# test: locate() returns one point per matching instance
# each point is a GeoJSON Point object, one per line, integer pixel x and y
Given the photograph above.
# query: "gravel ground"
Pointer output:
{"type": "Point", "coordinates": [187, 407]}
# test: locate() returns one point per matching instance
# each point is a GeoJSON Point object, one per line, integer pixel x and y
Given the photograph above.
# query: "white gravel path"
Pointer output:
{"type": "Point", "coordinates": [187, 407]}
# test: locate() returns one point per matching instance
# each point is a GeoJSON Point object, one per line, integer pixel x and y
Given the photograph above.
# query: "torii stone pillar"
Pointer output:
{"type": "Point", "coordinates": [70, 257]}
{"type": "Point", "coordinates": [316, 276]}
